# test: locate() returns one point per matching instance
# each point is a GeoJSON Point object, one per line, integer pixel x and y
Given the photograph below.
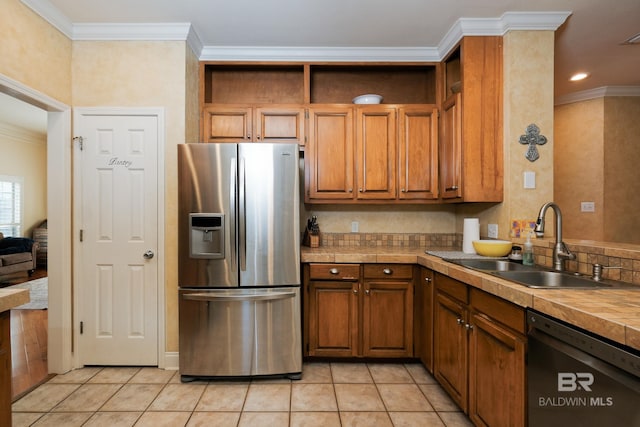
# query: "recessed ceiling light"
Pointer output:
{"type": "Point", "coordinates": [579, 76]}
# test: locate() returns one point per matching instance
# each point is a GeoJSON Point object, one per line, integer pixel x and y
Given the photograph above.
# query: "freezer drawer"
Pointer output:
{"type": "Point", "coordinates": [240, 332]}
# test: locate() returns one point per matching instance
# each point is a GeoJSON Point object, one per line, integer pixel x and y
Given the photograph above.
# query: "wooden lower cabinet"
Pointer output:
{"type": "Point", "coordinates": [346, 316]}
{"type": "Point", "coordinates": [479, 353]}
{"type": "Point", "coordinates": [423, 317]}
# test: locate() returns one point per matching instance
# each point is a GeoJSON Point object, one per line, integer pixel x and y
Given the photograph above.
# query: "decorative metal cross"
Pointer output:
{"type": "Point", "coordinates": [533, 138]}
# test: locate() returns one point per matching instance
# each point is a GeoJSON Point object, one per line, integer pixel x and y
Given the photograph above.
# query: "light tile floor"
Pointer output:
{"type": "Point", "coordinates": [329, 394]}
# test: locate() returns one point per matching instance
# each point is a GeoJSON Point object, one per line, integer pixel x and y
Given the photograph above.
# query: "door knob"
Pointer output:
{"type": "Point", "coordinates": [148, 255]}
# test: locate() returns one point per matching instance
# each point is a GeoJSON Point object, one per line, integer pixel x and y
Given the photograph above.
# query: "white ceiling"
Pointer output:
{"type": "Point", "coordinates": [590, 39]}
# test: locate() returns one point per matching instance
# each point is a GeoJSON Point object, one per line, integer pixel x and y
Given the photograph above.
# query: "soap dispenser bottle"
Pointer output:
{"type": "Point", "coordinates": [527, 254]}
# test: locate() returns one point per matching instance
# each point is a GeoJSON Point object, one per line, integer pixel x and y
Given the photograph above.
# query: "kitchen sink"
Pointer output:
{"type": "Point", "coordinates": [557, 280]}
{"type": "Point", "coordinates": [536, 277]}
{"type": "Point", "coordinates": [491, 265]}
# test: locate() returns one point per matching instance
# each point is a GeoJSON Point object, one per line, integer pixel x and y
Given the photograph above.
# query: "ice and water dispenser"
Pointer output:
{"type": "Point", "coordinates": [206, 235]}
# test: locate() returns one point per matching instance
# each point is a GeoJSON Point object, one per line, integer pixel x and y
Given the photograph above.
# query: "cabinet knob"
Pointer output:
{"type": "Point", "coordinates": [459, 321]}
{"type": "Point", "coordinates": [427, 279]}
{"type": "Point", "coordinates": [258, 136]}
{"type": "Point", "coordinates": [403, 190]}
{"type": "Point", "coordinates": [355, 291]}
{"type": "Point", "coordinates": [387, 271]}
{"type": "Point", "coordinates": [334, 271]}
{"type": "Point", "coordinates": [360, 190]}
{"type": "Point", "coordinates": [350, 190]}
{"type": "Point", "coordinates": [468, 326]}
{"type": "Point", "coordinates": [366, 291]}
{"type": "Point", "coordinates": [452, 188]}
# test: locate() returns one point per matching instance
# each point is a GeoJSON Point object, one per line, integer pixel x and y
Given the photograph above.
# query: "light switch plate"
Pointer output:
{"type": "Point", "coordinates": [354, 226]}
{"type": "Point", "coordinates": [492, 231]}
{"type": "Point", "coordinates": [529, 179]}
{"type": "Point", "coordinates": [587, 206]}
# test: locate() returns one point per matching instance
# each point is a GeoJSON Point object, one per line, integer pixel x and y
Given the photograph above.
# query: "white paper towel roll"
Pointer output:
{"type": "Point", "coordinates": [470, 233]}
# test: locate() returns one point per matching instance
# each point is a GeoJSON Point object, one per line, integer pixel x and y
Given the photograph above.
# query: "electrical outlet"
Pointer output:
{"type": "Point", "coordinates": [587, 206]}
{"type": "Point", "coordinates": [354, 226]}
{"type": "Point", "coordinates": [492, 231]}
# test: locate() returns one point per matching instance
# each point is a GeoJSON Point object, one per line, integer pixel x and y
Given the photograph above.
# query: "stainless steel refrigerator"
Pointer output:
{"type": "Point", "coordinates": [239, 260]}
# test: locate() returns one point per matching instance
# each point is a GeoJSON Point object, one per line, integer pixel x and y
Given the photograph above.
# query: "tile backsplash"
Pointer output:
{"type": "Point", "coordinates": [624, 256]}
{"type": "Point", "coordinates": [442, 241]}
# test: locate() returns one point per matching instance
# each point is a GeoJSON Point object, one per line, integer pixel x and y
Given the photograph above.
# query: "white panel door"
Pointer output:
{"type": "Point", "coordinates": [118, 289]}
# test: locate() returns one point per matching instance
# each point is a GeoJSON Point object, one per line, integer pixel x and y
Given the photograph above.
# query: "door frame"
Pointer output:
{"type": "Point", "coordinates": [59, 347]}
{"type": "Point", "coordinates": [158, 113]}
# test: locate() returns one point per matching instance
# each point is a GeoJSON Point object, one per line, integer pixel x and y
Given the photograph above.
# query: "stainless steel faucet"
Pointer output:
{"type": "Point", "coordinates": [560, 250]}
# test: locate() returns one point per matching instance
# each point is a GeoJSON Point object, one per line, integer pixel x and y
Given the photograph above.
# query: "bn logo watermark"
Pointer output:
{"type": "Point", "coordinates": [572, 381]}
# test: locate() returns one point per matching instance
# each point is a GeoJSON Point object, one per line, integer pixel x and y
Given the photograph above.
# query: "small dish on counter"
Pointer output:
{"type": "Point", "coordinates": [367, 99]}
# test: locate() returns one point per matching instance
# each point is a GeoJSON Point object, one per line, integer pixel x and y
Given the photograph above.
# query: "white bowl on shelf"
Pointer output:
{"type": "Point", "coordinates": [369, 98]}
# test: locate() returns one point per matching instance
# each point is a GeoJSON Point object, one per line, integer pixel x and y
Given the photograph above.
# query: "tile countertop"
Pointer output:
{"type": "Point", "coordinates": [10, 298]}
{"type": "Point", "coordinates": [611, 313]}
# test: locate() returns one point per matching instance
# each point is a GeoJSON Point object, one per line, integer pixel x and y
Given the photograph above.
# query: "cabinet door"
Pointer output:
{"type": "Point", "coordinates": [279, 125]}
{"type": "Point", "coordinates": [329, 154]}
{"type": "Point", "coordinates": [226, 124]}
{"type": "Point", "coordinates": [450, 348]}
{"type": "Point", "coordinates": [387, 318]}
{"type": "Point", "coordinates": [496, 374]}
{"type": "Point", "coordinates": [451, 148]}
{"type": "Point", "coordinates": [418, 153]}
{"type": "Point", "coordinates": [333, 318]}
{"type": "Point", "coordinates": [423, 325]}
{"type": "Point", "coordinates": [376, 142]}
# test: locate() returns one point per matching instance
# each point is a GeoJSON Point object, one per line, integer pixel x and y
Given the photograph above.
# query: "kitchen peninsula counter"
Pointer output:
{"type": "Point", "coordinates": [611, 313]}
{"type": "Point", "coordinates": [9, 298]}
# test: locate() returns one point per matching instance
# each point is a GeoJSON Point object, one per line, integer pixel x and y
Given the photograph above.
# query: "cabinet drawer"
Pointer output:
{"type": "Point", "coordinates": [388, 271]}
{"type": "Point", "coordinates": [500, 310]}
{"type": "Point", "coordinates": [334, 271]}
{"type": "Point", "coordinates": [452, 287]}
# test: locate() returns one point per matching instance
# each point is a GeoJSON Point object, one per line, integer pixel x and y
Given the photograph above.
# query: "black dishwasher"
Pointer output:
{"type": "Point", "coordinates": [577, 378]}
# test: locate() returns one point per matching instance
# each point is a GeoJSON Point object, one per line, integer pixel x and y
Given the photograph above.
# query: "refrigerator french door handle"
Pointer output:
{"type": "Point", "coordinates": [238, 297]}
{"type": "Point", "coordinates": [232, 202]}
{"type": "Point", "coordinates": [243, 217]}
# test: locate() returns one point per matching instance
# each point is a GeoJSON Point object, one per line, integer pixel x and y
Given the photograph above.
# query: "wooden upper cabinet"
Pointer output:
{"type": "Point", "coordinates": [279, 124]}
{"type": "Point", "coordinates": [451, 149]}
{"type": "Point", "coordinates": [477, 65]}
{"type": "Point", "coordinates": [227, 124]}
{"type": "Point", "coordinates": [223, 123]}
{"type": "Point", "coordinates": [376, 143]}
{"type": "Point", "coordinates": [418, 153]}
{"type": "Point", "coordinates": [329, 154]}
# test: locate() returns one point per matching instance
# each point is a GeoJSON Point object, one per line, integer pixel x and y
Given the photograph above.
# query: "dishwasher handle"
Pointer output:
{"type": "Point", "coordinates": [208, 296]}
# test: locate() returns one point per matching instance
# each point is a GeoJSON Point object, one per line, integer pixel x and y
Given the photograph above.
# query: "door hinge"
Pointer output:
{"type": "Point", "coordinates": [81, 235]}
{"type": "Point", "coordinates": [80, 140]}
{"type": "Point", "coordinates": [81, 328]}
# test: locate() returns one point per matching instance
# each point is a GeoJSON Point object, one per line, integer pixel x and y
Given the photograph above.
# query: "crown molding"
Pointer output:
{"type": "Point", "coordinates": [596, 93]}
{"type": "Point", "coordinates": [20, 134]}
{"type": "Point", "coordinates": [319, 54]}
{"type": "Point", "coordinates": [52, 15]}
{"type": "Point", "coordinates": [509, 21]}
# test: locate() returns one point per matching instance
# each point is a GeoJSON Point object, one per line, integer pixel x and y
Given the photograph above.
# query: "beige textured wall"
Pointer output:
{"type": "Point", "coordinates": [143, 74]}
{"type": "Point", "coordinates": [579, 167]}
{"type": "Point", "coordinates": [621, 170]}
{"type": "Point", "coordinates": [528, 98]}
{"type": "Point", "coordinates": [597, 159]}
{"type": "Point", "coordinates": [384, 219]}
{"type": "Point", "coordinates": [33, 52]}
{"type": "Point", "coordinates": [25, 155]}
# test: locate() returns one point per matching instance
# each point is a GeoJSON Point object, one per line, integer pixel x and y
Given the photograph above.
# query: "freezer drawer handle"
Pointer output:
{"type": "Point", "coordinates": [239, 297]}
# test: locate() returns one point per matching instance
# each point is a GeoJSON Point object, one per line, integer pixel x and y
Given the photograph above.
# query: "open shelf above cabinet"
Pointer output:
{"type": "Point", "coordinates": [303, 83]}
{"type": "Point", "coordinates": [253, 84]}
{"type": "Point", "coordinates": [397, 84]}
